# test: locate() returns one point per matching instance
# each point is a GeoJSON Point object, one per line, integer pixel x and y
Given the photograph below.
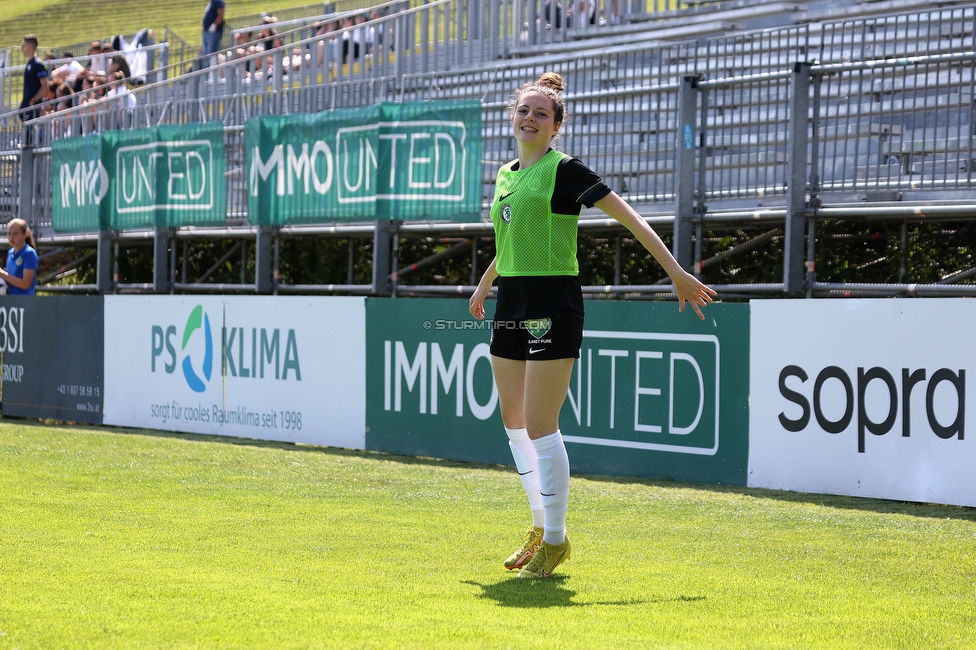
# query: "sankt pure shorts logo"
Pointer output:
{"type": "Point", "coordinates": [198, 320]}
{"type": "Point", "coordinates": [538, 327]}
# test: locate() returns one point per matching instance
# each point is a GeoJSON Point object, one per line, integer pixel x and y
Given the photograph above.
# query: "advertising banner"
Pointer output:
{"type": "Point", "coordinates": [415, 160]}
{"type": "Point", "coordinates": [858, 397]}
{"type": "Point", "coordinates": [79, 184]}
{"type": "Point", "coordinates": [272, 368]}
{"type": "Point", "coordinates": [52, 357]}
{"type": "Point", "coordinates": [655, 393]}
{"type": "Point", "coordinates": [167, 176]}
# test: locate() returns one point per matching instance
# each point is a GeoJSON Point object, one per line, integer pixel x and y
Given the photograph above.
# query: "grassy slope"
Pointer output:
{"type": "Point", "coordinates": [111, 539]}
{"type": "Point", "coordinates": [62, 22]}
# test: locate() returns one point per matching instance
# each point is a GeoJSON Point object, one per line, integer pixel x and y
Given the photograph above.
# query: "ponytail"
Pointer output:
{"type": "Point", "coordinates": [28, 235]}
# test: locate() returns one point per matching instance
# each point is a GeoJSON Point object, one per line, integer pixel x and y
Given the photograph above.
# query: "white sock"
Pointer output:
{"type": "Point", "coordinates": [525, 462]}
{"type": "Point", "coordinates": [553, 462]}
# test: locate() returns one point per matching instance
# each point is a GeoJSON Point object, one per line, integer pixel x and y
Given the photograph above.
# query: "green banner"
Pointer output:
{"type": "Point", "coordinates": [168, 176]}
{"type": "Point", "coordinates": [416, 160]}
{"type": "Point", "coordinates": [79, 184]}
{"type": "Point", "coordinates": [655, 393]}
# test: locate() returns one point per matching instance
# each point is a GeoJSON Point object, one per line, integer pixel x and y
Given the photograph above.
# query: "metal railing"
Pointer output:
{"type": "Point", "coordinates": [157, 60]}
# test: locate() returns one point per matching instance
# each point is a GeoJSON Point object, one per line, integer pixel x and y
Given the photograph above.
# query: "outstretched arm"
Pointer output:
{"type": "Point", "coordinates": [687, 286]}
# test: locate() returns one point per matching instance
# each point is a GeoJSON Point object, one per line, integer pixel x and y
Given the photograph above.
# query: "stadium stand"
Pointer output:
{"type": "Point", "coordinates": [877, 123]}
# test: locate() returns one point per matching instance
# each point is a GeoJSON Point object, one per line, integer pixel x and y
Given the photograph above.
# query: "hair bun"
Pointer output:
{"type": "Point", "coordinates": [551, 80]}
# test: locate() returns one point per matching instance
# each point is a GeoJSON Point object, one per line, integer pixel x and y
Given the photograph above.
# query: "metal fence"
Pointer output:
{"type": "Point", "coordinates": [156, 59]}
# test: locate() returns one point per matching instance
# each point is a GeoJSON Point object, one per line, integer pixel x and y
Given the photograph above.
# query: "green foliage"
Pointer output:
{"type": "Point", "coordinates": [325, 261]}
{"type": "Point", "coordinates": [455, 270]}
{"type": "Point", "coordinates": [60, 22]}
{"type": "Point", "coordinates": [133, 539]}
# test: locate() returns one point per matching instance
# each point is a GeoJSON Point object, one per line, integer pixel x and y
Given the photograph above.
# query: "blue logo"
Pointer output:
{"type": "Point", "coordinates": [198, 320]}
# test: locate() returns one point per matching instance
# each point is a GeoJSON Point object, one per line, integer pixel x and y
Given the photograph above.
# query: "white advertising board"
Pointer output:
{"type": "Point", "coordinates": [864, 398]}
{"type": "Point", "coordinates": [272, 368]}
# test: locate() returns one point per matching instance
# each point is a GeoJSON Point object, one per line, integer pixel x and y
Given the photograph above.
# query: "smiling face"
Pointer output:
{"type": "Point", "coordinates": [534, 119]}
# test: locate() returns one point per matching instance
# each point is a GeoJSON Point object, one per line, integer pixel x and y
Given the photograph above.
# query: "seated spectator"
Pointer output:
{"type": "Point", "coordinates": [68, 72]}
{"type": "Point", "coordinates": [95, 56]}
{"type": "Point", "coordinates": [268, 35]}
{"type": "Point", "coordinates": [352, 39]}
{"type": "Point", "coordinates": [582, 13]}
{"type": "Point", "coordinates": [266, 40]}
{"type": "Point", "coordinates": [50, 95]}
{"type": "Point", "coordinates": [295, 62]}
{"type": "Point", "coordinates": [243, 48]}
{"type": "Point", "coordinates": [552, 13]}
{"type": "Point", "coordinates": [118, 63]}
{"type": "Point", "coordinates": [65, 96]}
{"type": "Point", "coordinates": [331, 42]}
{"type": "Point", "coordinates": [79, 85]}
{"type": "Point", "coordinates": [118, 89]}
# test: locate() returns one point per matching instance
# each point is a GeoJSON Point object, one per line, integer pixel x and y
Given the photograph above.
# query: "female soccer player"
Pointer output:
{"type": "Point", "coordinates": [538, 327]}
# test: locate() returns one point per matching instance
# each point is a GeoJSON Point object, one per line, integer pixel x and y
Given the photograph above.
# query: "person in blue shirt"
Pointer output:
{"type": "Point", "coordinates": [21, 273]}
{"type": "Point", "coordinates": [35, 78]}
{"type": "Point", "coordinates": [213, 31]}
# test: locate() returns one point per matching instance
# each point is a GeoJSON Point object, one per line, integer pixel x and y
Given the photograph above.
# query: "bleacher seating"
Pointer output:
{"type": "Point", "coordinates": [888, 123]}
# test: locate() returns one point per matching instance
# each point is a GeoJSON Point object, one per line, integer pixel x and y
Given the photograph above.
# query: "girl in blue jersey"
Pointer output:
{"type": "Point", "coordinates": [538, 326]}
{"type": "Point", "coordinates": [21, 273]}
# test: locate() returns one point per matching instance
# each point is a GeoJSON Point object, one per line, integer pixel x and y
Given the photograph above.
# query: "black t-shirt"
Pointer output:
{"type": "Point", "coordinates": [34, 71]}
{"type": "Point", "coordinates": [521, 297]}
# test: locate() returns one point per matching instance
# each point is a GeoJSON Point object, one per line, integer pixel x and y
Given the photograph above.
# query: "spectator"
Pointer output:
{"type": "Point", "coordinates": [82, 82]}
{"type": "Point", "coordinates": [65, 96]}
{"type": "Point", "coordinates": [352, 39]}
{"type": "Point", "coordinates": [21, 273]}
{"type": "Point", "coordinates": [243, 48]}
{"type": "Point", "coordinates": [582, 13]}
{"type": "Point", "coordinates": [118, 63]}
{"type": "Point", "coordinates": [96, 61]}
{"type": "Point", "coordinates": [118, 89]}
{"type": "Point", "coordinates": [268, 36]}
{"type": "Point", "coordinates": [136, 57]}
{"type": "Point", "coordinates": [552, 12]}
{"type": "Point", "coordinates": [213, 30]}
{"type": "Point", "coordinates": [327, 41]}
{"type": "Point", "coordinates": [267, 40]}
{"type": "Point", "coordinates": [51, 93]}
{"type": "Point", "coordinates": [35, 78]}
{"type": "Point", "coordinates": [69, 71]}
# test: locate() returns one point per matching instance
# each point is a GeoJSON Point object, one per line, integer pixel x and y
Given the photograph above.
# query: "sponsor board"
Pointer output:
{"type": "Point", "coordinates": [166, 176]}
{"type": "Point", "coordinates": [272, 368]}
{"type": "Point", "coordinates": [654, 393]}
{"type": "Point", "coordinates": [857, 397]}
{"type": "Point", "coordinates": [52, 357]}
{"type": "Point", "coordinates": [411, 160]}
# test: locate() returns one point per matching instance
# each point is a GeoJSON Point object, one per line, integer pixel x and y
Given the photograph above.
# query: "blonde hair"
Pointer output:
{"type": "Point", "coordinates": [24, 228]}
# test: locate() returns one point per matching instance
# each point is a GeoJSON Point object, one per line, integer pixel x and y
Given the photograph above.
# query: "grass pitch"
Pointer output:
{"type": "Point", "coordinates": [112, 538]}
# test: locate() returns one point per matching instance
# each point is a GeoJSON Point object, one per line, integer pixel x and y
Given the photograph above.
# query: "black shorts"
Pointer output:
{"type": "Point", "coordinates": [538, 339]}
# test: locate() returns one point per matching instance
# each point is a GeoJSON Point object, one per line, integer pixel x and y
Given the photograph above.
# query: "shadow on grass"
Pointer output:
{"type": "Point", "coordinates": [881, 506]}
{"type": "Point", "coordinates": [551, 593]}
